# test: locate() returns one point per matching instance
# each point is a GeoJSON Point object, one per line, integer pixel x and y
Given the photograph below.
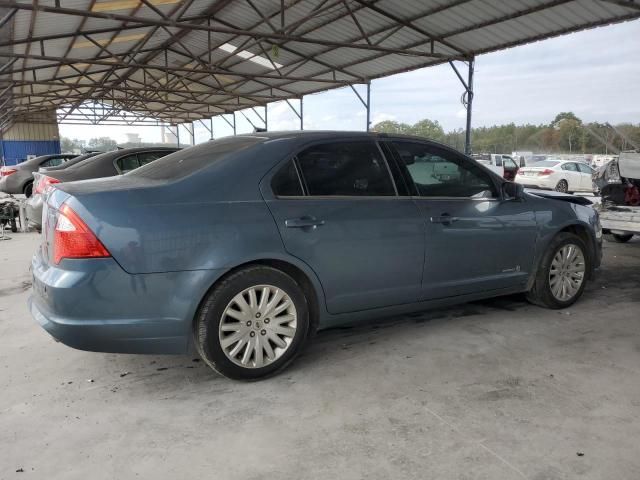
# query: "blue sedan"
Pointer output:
{"type": "Point", "coordinates": [245, 246]}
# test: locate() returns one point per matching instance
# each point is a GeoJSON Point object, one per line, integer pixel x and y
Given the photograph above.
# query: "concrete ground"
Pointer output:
{"type": "Point", "coordinates": [492, 390]}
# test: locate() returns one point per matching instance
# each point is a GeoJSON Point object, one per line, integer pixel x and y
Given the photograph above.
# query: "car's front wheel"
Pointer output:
{"type": "Point", "coordinates": [562, 273]}
{"type": "Point", "coordinates": [252, 324]}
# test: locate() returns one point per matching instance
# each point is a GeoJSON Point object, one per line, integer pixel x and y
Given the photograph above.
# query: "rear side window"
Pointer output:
{"type": "Point", "coordinates": [128, 163]}
{"type": "Point", "coordinates": [345, 169]}
{"type": "Point", "coordinates": [148, 157]}
{"type": "Point", "coordinates": [286, 182]}
{"type": "Point", "coordinates": [53, 162]}
{"type": "Point", "coordinates": [570, 166]}
{"type": "Point", "coordinates": [498, 160]}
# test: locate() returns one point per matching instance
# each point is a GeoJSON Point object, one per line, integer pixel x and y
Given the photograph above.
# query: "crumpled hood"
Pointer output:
{"type": "Point", "coordinates": [565, 197]}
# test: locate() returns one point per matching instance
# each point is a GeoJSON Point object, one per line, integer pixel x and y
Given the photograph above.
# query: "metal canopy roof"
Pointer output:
{"type": "Point", "coordinates": [175, 61]}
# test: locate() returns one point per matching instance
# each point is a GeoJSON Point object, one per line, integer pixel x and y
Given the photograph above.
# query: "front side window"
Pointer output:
{"type": "Point", "coordinates": [509, 163]}
{"type": "Point", "coordinates": [498, 160]}
{"type": "Point", "coordinates": [585, 168]}
{"type": "Point", "coordinates": [439, 173]}
{"type": "Point", "coordinates": [345, 169]}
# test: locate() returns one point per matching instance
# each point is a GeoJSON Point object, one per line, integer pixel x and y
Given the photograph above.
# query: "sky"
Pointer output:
{"type": "Point", "coordinates": [594, 73]}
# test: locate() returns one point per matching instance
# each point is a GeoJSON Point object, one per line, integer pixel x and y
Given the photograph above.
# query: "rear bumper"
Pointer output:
{"type": "Point", "coordinates": [94, 305]}
{"type": "Point", "coordinates": [112, 336]}
{"type": "Point", "coordinates": [540, 183]}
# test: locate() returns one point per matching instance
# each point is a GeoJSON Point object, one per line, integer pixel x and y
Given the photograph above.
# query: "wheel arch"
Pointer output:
{"type": "Point", "coordinates": [579, 229]}
{"type": "Point", "coordinates": [26, 183]}
{"type": "Point", "coordinates": [303, 275]}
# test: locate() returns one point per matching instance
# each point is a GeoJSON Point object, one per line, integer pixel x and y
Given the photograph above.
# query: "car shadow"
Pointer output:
{"type": "Point", "coordinates": [172, 374]}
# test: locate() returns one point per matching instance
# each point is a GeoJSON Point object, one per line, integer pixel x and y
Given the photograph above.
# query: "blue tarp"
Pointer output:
{"type": "Point", "coordinates": [16, 151]}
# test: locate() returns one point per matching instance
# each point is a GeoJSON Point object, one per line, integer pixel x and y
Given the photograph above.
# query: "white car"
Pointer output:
{"type": "Point", "coordinates": [559, 175]}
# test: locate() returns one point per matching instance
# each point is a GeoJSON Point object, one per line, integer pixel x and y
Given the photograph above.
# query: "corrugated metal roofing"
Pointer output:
{"type": "Point", "coordinates": [178, 60]}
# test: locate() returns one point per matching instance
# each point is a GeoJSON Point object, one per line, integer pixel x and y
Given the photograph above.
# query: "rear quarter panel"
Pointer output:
{"type": "Point", "coordinates": [212, 219]}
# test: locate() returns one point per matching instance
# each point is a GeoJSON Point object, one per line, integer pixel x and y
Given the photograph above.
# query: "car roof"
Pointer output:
{"type": "Point", "coordinates": [113, 154]}
{"type": "Point", "coordinates": [300, 137]}
{"type": "Point", "coordinates": [44, 158]}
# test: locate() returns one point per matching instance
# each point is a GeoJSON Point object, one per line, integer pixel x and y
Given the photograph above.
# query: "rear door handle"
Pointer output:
{"type": "Point", "coordinates": [303, 222]}
{"type": "Point", "coordinates": [444, 219]}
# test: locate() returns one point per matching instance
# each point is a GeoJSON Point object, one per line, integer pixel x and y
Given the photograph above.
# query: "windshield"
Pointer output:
{"type": "Point", "coordinates": [185, 162]}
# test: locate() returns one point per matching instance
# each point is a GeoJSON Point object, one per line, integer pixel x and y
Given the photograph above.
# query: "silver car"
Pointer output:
{"type": "Point", "coordinates": [19, 179]}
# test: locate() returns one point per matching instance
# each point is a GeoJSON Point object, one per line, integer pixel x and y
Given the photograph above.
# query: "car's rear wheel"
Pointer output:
{"type": "Point", "coordinates": [562, 273]}
{"type": "Point", "coordinates": [620, 238]}
{"type": "Point", "coordinates": [253, 324]}
{"type": "Point", "coordinates": [562, 186]}
{"type": "Point", "coordinates": [28, 189]}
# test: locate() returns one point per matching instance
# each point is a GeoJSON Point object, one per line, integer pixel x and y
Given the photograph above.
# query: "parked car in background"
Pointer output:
{"type": "Point", "coordinates": [598, 161]}
{"type": "Point", "coordinates": [19, 178]}
{"type": "Point", "coordinates": [503, 165]}
{"type": "Point", "coordinates": [69, 163]}
{"type": "Point", "coordinates": [245, 246]}
{"type": "Point", "coordinates": [522, 158]}
{"type": "Point", "coordinates": [559, 175]}
{"type": "Point", "coordinates": [103, 165]}
{"type": "Point", "coordinates": [618, 184]}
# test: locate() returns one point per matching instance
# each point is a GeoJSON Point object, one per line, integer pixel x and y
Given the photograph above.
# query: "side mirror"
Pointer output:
{"type": "Point", "coordinates": [512, 191]}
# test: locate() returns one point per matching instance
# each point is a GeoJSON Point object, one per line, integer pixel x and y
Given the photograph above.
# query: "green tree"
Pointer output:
{"type": "Point", "coordinates": [390, 126]}
{"type": "Point", "coordinates": [102, 143]}
{"type": "Point", "coordinates": [569, 131]}
{"type": "Point", "coordinates": [428, 129]}
{"type": "Point", "coordinates": [68, 145]}
{"type": "Point", "coordinates": [565, 116]}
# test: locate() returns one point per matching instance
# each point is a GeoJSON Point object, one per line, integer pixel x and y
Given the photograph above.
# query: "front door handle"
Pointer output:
{"type": "Point", "coordinates": [303, 222]}
{"type": "Point", "coordinates": [444, 219]}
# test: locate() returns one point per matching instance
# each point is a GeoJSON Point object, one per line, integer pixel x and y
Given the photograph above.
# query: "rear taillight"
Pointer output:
{"type": "Point", "coordinates": [546, 171]}
{"type": "Point", "coordinates": [43, 182]}
{"type": "Point", "coordinates": [6, 171]}
{"type": "Point", "coordinates": [73, 239]}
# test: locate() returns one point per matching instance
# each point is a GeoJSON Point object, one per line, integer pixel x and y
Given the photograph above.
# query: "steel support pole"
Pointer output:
{"type": "Point", "coordinates": [234, 123]}
{"type": "Point", "coordinates": [266, 119]}
{"type": "Point", "coordinates": [211, 124]}
{"type": "Point", "coordinates": [368, 105]}
{"type": "Point", "coordinates": [301, 114]}
{"type": "Point", "coordinates": [469, 105]}
{"type": "Point", "coordinates": [178, 134]}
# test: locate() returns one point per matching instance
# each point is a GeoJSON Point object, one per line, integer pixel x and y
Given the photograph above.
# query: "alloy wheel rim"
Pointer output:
{"type": "Point", "coordinates": [562, 187]}
{"type": "Point", "coordinates": [567, 272]}
{"type": "Point", "coordinates": [258, 326]}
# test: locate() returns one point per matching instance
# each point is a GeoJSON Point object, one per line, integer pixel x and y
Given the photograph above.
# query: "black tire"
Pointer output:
{"type": "Point", "coordinates": [540, 294]}
{"type": "Point", "coordinates": [207, 325]}
{"type": "Point", "coordinates": [28, 189]}
{"type": "Point", "coordinates": [562, 186]}
{"type": "Point", "coordinates": [616, 237]}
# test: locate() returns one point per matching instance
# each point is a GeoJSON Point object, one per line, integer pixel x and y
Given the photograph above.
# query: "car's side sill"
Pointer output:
{"type": "Point", "coordinates": [328, 321]}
